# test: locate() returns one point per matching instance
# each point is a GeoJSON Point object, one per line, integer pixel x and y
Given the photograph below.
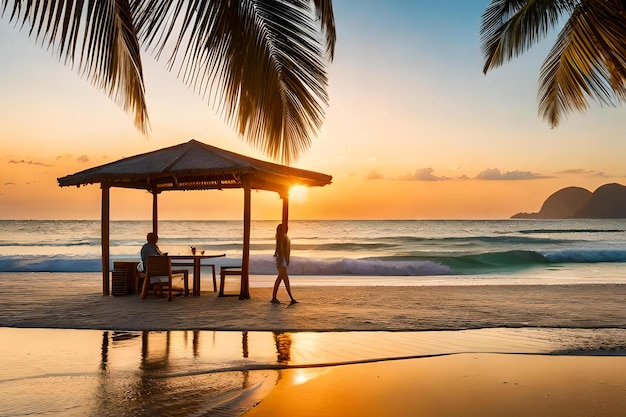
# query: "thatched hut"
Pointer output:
{"type": "Point", "coordinates": [193, 166]}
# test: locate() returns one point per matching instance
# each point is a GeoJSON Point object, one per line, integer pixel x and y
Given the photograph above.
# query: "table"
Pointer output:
{"type": "Point", "coordinates": [196, 268]}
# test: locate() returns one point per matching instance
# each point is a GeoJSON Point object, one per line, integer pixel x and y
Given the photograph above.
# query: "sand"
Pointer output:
{"type": "Point", "coordinates": [585, 322]}
{"type": "Point", "coordinates": [77, 304]}
{"type": "Point", "coordinates": [468, 385]}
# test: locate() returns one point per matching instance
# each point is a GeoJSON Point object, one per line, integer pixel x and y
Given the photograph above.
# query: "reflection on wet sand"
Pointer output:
{"type": "Point", "coordinates": [283, 346]}
{"type": "Point", "coordinates": [169, 379]}
{"type": "Point", "coordinates": [200, 373]}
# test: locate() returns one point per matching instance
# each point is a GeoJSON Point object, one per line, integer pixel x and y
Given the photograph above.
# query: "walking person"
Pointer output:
{"type": "Point", "coordinates": [283, 250]}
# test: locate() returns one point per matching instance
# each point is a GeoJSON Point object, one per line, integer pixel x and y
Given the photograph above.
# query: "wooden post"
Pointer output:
{"type": "Point", "coordinates": [104, 229]}
{"type": "Point", "coordinates": [155, 213]}
{"type": "Point", "coordinates": [244, 292]}
{"type": "Point", "coordinates": [285, 218]}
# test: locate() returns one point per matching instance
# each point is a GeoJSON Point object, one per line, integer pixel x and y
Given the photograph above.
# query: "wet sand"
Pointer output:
{"type": "Point", "coordinates": [447, 373]}
{"type": "Point", "coordinates": [468, 385]}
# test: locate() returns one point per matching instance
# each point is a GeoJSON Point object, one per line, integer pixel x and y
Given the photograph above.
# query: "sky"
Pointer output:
{"type": "Point", "coordinates": [413, 130]}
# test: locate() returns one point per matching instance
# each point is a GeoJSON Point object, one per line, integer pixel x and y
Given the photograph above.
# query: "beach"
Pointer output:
{"type": "Point", "coordinates": [470, 385]}
{"type": "Point", "coordinates": [395, 318]}
{"type": "Point", "coordinates": [452, 254]}
{"type": "Point", "coordinates": [489, 350]}
{"type": "Point", "coordinates": [73, 301]}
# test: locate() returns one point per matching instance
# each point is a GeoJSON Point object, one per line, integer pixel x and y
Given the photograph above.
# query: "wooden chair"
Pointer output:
{"type": "Point", "coordinates": [227, 271]}
{"type": "Point", "coordinates": [159, 275]}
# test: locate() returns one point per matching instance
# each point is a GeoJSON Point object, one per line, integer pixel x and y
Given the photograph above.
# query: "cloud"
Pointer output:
{"type": "Point", "coordinates": [587, 172]}
{"type": "Point", "coordinates": [575, 171]}
{"type": "Point", "coordinates": [82, 158]}
{"type": "Point", "coordinates": [494, 174]}
{"type": "Point", "coordinates": [374, 175]}
{"type": "Point", "coordinates": [422, 174]}
{"type": "Point", "coordinates": [23, 161]}
{"type": "Point", "coordinates": [10, 183]}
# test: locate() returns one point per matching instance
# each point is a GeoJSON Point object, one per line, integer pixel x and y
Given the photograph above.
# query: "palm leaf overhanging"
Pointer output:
{"type": "Point", "coordinates": [103, 31]}
{"type": "Point", "coordinates": [587, 61]}
{"type": "Point", "coordinates": [262, 63]}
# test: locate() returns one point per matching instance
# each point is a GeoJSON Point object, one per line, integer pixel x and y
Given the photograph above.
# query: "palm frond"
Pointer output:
{"type": "Point", "coordinates": [608, 22]}
{"type": "Point", "coordinates": [588, 61]}
{"type": "Point", "coordinates": [326, 16]}
{"type": "Point", "coordinates": [260, 61]}
{"type": "Point", "coordinates": [511, 27]}
{"type": "Point", "coordinates": [110, 54]}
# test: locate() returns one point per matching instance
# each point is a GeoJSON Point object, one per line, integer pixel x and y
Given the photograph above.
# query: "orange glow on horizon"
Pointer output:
{"type": "Point", "coordinates": [30, 191]}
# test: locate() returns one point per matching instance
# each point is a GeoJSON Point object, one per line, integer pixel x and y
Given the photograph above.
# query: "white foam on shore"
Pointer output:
{"type": "Point", "coordinates": [572, 275]}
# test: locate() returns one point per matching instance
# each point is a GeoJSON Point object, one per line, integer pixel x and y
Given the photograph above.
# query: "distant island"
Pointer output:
{"type": "Point", "coordinates": [607, 202]}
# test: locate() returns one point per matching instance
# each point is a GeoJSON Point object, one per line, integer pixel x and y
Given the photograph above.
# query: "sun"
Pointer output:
{"type": "Point", "coordinates": [297, 193]}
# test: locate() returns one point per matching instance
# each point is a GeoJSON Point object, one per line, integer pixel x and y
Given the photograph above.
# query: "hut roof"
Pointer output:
{"type": "Point", "coordinates": [195, 166]}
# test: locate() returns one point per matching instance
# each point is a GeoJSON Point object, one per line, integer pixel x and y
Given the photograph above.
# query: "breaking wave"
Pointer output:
{"type": "Point", "coordinates": [460, 264]}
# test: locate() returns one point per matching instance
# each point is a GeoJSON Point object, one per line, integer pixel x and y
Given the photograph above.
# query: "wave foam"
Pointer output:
{"type": "Point", "coordinates": [266, 265]}
{"type": "Point", "coordinates": [57, 263]}
{"type": "Point", "coordinates": [461, 264]}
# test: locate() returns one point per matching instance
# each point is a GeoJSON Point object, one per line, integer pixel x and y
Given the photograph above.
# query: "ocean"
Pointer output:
{"type": "Point", "coordinates": [353, 252]}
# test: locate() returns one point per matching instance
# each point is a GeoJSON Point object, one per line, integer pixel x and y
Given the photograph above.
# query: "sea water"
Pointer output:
{"type": "Point", "coordinates": [402, 252]}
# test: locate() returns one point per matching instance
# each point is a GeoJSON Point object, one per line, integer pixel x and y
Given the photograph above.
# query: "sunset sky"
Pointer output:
{"type": "Point", "coordinates": [414, 130]}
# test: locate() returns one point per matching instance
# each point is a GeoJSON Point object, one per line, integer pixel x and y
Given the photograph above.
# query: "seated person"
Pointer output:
{"type": "Point", "coordinates": [150, 248]}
